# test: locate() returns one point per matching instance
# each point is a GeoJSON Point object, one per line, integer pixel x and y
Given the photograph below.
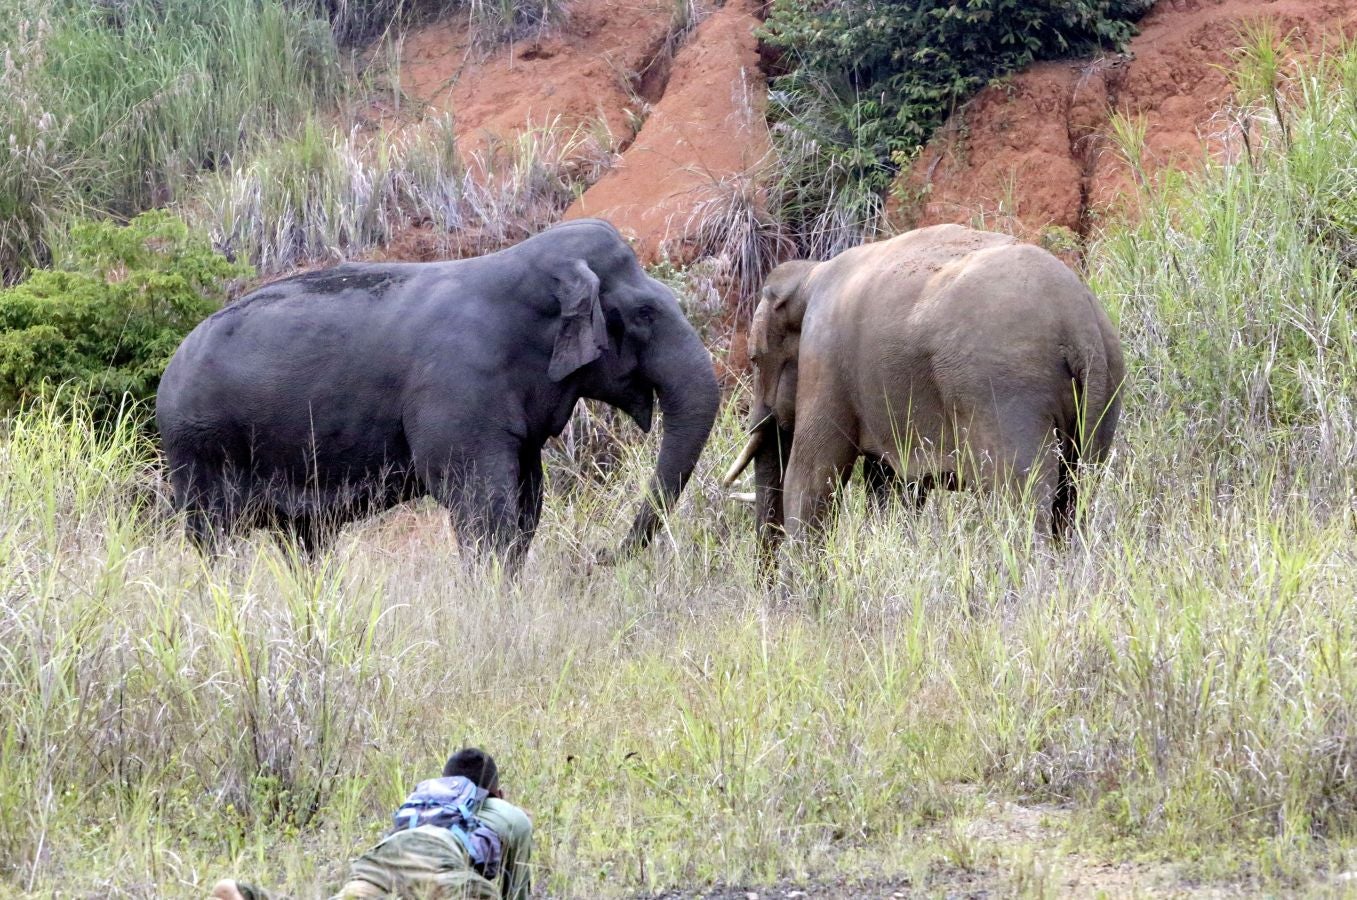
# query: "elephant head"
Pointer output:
{"type": "Point", "coordinates": [774, 344]}
{"type": "Point", "coordinates": [625, 340]}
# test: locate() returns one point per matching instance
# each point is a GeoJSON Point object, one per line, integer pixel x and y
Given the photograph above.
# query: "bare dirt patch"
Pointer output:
{"type": "Point", "coordinates": [588, 72]}
{"type": "Point", "coordinates": [1004, 850]}
{"type": "Point", "coordinates": [1033, 151]}
{"type": "Point", "coordinates": [683, 121]}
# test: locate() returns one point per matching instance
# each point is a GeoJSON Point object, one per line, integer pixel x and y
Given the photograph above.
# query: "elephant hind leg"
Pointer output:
{"type": "Point", "coordinates": [310, 532]}
{"type": "Point", "coordinates": [1014, 450]}
{"type": "Point", "coordinates": [210, 501]}
{"type": "Point", "coordinates": [881, 482]}
{"type": "Point", "coordinates": [884, 486]}
{"type": "Point", "coordinates": [530, 490]}
{"type": "Point", "coordinates": [1065, 505]}
{"type": "Point", "coordinates": [919, 488]}
{"type": "Point", "coordinates": [204, 529]}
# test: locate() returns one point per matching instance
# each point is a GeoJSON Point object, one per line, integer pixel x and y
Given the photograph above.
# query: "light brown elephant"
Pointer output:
{"type": "Point", "coordinates": [945, 356]}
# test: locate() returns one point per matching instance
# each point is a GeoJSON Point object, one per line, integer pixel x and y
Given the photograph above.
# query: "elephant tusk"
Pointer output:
{"type": "Point", "coordinates": [744, 497]}
{"type": "Point", "coordinates": [759, 425]}
{"type": "Point", "coordinates": [747, 454]}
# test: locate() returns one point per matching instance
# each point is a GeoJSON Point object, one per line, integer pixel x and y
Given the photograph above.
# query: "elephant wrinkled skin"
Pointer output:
{"type": "Point", "coordinates": [331, 395]}
{"type": "Point", "coordinates": [944, 356]}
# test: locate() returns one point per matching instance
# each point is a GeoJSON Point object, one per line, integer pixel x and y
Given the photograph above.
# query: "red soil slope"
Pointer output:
{"type": "Point", "coordinates": [609, 64]}
{"type": "Point", "coordinates": [586, 72]}
{"type": "Point", "coordinates": [1033, 150]}
{"type": "Point", "coordinates": [708, 127]}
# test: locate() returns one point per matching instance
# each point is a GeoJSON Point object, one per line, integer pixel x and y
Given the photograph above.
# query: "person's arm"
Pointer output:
{"type": "Point", "coordinates": [515, 833]}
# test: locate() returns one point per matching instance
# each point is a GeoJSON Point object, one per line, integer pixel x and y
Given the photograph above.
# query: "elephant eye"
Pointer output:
{"type": "Point", "coordinates": [646, 314]}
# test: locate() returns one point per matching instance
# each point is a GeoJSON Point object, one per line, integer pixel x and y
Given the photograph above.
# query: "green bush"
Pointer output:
{"type": "Point", "coordinates": [107, 321]}
{"type": "Point", "coordinates": [907, 64]}
{"type": "Point", "coordinates": [868, 82]}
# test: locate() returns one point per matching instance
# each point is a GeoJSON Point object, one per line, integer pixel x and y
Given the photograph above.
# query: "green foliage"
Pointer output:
{"type": "Point", "coordinates": [120, 106]}
{"type": "Point", "coordinates": [868, 82]}
{"type": "Point", "coordinates": [107, 321]}
{"type": "Point", "coordinates": [907, 64]}
{"type": "Point", "coordinates": [1174, 685]}
{"type": "Point", "coordinates": [831, 172]}
{"type": "Point", "coordinates": [1255, 263]}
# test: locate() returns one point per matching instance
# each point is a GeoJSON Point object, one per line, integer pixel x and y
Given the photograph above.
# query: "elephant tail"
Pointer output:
{"type": "Point", "coordinates": [1096, 375]}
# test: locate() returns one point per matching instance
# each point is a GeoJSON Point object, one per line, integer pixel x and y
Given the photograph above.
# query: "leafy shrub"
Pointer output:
{"type": "Point", "coordinates": [868, 82]}
{"type": "Point", "coordinates": [907, 64]}
{"type": "Point", "coordinates": [831, 171]}
{"type": "Point", "coordinates": [108, 320]}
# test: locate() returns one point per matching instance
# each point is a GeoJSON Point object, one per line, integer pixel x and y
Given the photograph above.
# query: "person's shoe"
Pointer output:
{"type": "Point", "coordinates": [230, 889]}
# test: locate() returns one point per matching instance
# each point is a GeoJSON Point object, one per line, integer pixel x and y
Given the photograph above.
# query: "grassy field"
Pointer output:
{"type": "Point", "coordinates": [937, 700]}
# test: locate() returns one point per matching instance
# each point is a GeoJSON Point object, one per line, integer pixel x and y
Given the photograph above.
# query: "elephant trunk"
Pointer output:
{"type": "Point", "coordinates": [770, 468]}
{"type": "Point", "coordinates": [681, 371]}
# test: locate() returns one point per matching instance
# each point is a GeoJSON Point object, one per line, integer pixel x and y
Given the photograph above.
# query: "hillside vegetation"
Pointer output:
{"type": "Point", "coordinates": [1177, 686]}
{"type": "Point", "coordinates": [119, 106]}
{"type": "Point", "coordinates": [862, 86]}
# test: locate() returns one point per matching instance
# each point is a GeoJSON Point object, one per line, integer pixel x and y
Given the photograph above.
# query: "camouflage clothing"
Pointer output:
{"type": "Point", "coordinates": [425, 862]}
{"type": "Point", "coordinates": [428, 863]}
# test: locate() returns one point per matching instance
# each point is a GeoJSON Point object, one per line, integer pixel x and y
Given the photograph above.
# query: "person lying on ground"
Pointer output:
{"type": "Point", "coordinates": [454, 838]}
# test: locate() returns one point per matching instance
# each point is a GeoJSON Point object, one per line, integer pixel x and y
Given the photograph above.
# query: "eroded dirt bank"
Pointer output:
{"type": "Point", "coordinates": [585, 74]}
{"type": "Point", "coordinates": [1034, 150]}
{"type": "Point", "coordinates": [708, 127]}
{"type": "Point", "coordinates": [683, 111]}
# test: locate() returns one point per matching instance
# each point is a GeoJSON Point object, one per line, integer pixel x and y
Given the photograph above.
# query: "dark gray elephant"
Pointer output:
{"type": "Point", "coordinates": [332, 395]}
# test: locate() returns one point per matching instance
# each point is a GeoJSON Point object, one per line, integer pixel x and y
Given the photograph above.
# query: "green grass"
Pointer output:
{"type": "Point", "coordinates": [1176, 690]}
{"type": "Point", "coordinates": [117, 107]}
{"type": "Point", "coordinates": [325, 196]}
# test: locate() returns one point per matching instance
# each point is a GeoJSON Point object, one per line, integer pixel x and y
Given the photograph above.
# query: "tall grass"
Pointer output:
{"type": "Point", "coordinates": [492, 21]}
{"type": "Point", "coordinates": [828, 182]}
{"type": "Point", "coordinates": [114, 108]}
{"type": "Point", "coordinates": [117, 107]}
{"type": "Point", "coordinates": [324, 195]}
{"type": "Point", "coordinates": [1177, 685]}
{"type": "Point", "coordinates": [1240, 291]}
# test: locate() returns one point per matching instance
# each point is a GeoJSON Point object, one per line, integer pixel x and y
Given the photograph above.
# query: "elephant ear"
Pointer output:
{"type": "Point", "coordinates": [791, 293]}
{"type": "Point", "coordinates": [583, 335]}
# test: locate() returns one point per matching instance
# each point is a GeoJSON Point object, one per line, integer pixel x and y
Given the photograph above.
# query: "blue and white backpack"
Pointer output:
{"type": "Point", "coordinates": [452, 803]}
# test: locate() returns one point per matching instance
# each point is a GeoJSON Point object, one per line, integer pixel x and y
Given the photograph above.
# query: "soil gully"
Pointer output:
{"type": "Point", "coordinates": [704, 129]}
{"type": "Point", "coordinates": [648, 84]}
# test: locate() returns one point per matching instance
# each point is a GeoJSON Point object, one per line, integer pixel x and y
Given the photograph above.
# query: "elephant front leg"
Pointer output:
{"type": "Point", "coordinates": [770, 471]}
{"type": "Point", "coordinates": [482, 496]}
{"type": "Point", "coordinates": [820, 465]}
{"type": "Point", "coordinates": [530, 488]}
